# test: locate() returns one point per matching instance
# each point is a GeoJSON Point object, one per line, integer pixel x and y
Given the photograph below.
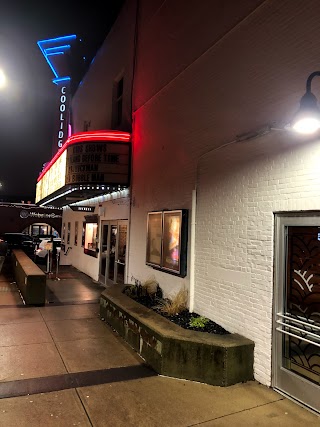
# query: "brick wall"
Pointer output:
{"type": "Point", "coordinates": [240, 188]}
{"type": "Point", "coordinates": [197, 86]}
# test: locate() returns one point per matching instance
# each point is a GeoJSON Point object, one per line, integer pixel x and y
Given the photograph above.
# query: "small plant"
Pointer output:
{"type": "Point", "coordinates": [175, 305]}
{"type": "Point", "coordinates": [148, 292]}
{"type": "Point", "coordinates": [133, 291]}
{"type": "Point", "coordinates": [198, 322]}
{"type": "Point", "coordinates": [150, 286]}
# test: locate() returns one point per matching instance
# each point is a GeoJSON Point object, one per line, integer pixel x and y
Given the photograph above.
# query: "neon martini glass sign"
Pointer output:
{"type": "Point", "coordinates": [52, 49]}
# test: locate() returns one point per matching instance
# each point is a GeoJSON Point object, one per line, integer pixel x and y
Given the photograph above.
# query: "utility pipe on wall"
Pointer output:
{"type": "Point", "coordinates": [192, 249]}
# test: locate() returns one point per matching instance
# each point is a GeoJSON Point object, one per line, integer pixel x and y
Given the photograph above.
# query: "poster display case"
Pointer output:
{"type": "Point", "coordinates": [167, 233]}
{"type": "Point", "coordinates": [154, 239]}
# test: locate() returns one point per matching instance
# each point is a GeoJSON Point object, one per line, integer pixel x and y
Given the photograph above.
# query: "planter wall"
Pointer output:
{"type": "Point", "coordinates": [173, 351]}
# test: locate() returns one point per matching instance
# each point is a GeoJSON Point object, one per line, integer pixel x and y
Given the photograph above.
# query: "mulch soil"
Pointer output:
{"type": "Point", "coordinates": [183, 318]}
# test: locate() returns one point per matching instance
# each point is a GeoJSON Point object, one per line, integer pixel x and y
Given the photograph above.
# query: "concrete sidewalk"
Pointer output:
{"type": "Point", "coordinates": [62, 366]}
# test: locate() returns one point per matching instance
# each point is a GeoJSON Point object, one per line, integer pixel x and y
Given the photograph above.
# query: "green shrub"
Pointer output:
{"type": "Point", "coordinates": [198, 322]}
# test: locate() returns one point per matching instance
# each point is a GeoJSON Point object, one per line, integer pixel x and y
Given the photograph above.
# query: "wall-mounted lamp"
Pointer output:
{"type": "Point", "coordinates": [307, 118]}
{"type": "Point", "coordinates": [2, 79]}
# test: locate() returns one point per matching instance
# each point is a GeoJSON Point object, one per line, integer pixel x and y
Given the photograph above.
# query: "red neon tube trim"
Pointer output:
{"type": "Point", "coordinates": [92, 136]}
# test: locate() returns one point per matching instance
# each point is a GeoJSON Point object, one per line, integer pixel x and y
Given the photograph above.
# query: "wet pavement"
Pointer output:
{"type": "Point", "coordinates": [60, 365]}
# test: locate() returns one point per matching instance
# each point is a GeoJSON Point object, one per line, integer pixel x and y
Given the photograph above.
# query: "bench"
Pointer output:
{"type": "Point", "coordinates": [30, 279]}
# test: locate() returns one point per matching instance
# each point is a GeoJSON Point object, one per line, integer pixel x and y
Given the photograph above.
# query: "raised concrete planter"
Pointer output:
{"type": "Point", "coordinates": [173, 351]}
{"type": "Point", "coordinates": [30, 279]}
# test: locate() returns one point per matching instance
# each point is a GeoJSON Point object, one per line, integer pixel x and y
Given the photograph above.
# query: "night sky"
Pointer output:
{"type": "Point", "coordinates": [27, 104]}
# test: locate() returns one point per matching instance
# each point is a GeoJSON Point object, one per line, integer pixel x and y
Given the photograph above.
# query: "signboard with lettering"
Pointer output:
{"type": "Point", "coordinates": [82, 208]}
{"type": "Point", "coordinates": [53, 180]}
{"type": "Point", "coordinates": [99, 162]}
{"type": "Point", "coordinates": [63, 118]}
{"type": "Point", "coordinates": [56, 51]}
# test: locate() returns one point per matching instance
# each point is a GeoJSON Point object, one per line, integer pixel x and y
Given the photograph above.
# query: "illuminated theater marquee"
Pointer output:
{"type": "Point", "coordinates": [93, 160]}
{"type": "Point", "coordinates": [97, 162]}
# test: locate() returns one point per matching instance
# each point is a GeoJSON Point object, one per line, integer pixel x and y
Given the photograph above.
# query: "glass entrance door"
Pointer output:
{"type": "Point", "coordinates": [297, 310]}
{"type": "Point", "coordinates": [121, 258]}
{"type": "Point", "coordinates": [113, 252]}
{"type": "Point", "coordinates": [104, 251]}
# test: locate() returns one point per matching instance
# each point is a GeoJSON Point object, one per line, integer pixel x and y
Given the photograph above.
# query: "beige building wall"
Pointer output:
{"type": "Point", "coordinates": [206, 73]}
{"type": "Point", "coordinates": [92, 103]}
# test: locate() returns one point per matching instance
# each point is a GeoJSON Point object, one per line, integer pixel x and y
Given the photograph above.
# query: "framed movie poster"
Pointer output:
{"type": "Point", "coordinates": [154, 238]}
{"type": "Point", "coordinates": [167, 233]}
{"type": "Point", "coordinates": [171, 244]}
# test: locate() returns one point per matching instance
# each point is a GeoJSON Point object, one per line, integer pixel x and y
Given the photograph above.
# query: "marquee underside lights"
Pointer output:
{"type": "Point", "coordinates": [89, 164]}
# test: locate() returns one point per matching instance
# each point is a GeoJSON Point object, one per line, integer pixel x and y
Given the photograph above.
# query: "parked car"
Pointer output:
{"type": "Point", "coordinates": [19, 241]}
{"type": "Point", "coordinates": [41, 252]}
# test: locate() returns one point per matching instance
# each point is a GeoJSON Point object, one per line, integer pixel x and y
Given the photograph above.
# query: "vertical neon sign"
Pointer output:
{"type": "Point", "coordinates": [63, 110]}
{"type": "Point", "coordinates": [55, 53]}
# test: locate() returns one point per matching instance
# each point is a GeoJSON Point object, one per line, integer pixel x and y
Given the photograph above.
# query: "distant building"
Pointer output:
{"type": "Point", "coordinates": [30, 219]}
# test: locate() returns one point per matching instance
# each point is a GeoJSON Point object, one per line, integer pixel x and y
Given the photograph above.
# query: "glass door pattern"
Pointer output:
{"type": "Point", "coordinates": [302, 346]}
{"type": "Point", "coordinates": [298, 316]}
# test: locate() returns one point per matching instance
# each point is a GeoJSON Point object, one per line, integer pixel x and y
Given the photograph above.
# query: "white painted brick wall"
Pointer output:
{"type": "Point", "coordinates": [238, 194]}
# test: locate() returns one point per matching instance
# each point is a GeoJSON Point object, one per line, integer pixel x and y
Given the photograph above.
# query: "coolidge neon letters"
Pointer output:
{"type": "Point", "coordinates": [62, 117]}
{"type": "Point", "coordinates": [54, 51]}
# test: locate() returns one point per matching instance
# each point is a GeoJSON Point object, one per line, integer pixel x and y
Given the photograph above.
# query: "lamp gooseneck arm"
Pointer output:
{"type": "Point", "coordinates": [309, 80]}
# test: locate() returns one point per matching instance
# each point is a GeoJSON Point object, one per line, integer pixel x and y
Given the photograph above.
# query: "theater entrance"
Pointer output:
{"type": "Point", "coordinates": [113, 246]}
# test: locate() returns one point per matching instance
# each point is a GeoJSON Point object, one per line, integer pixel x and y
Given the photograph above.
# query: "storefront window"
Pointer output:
{"type": "Point", "coordinates": [91, 235]}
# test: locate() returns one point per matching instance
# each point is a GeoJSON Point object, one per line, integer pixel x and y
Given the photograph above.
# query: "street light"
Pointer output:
{"type": "Point", "coordinates": [2, 79]}
{"type": "Point", "coordinates": [307, 118]}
